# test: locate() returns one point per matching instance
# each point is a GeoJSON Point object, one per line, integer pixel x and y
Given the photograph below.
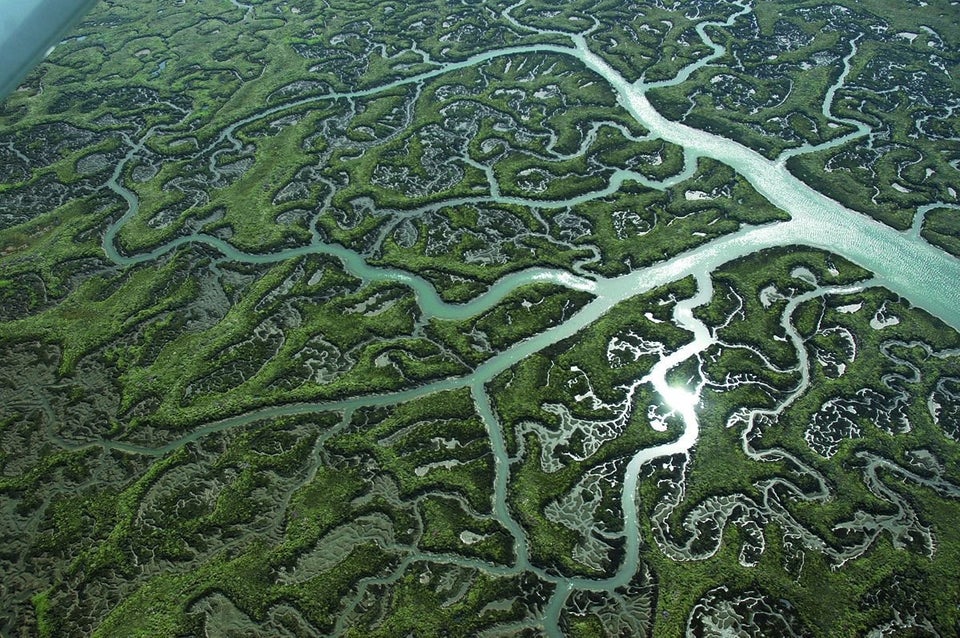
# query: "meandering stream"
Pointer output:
{"type": "Point", "coordinates": [902, 262]}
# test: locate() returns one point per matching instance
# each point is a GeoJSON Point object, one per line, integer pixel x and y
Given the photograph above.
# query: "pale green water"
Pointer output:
{"type": "Point", "coordinates": [902, 262]}
{"type": "Point", "coordinates": [28, 29]}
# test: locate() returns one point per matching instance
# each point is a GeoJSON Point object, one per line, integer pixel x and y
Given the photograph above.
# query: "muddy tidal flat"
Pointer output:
{"type": "Point", "coordinates": [483, 319]}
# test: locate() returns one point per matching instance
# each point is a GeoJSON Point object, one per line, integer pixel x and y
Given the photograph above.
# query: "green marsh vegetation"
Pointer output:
{"type": "Point", "coordinates": [247, 427]}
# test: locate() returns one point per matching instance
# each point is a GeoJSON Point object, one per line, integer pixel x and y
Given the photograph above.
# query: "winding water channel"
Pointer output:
{"type": "Point", "coordinates": [902, 262]}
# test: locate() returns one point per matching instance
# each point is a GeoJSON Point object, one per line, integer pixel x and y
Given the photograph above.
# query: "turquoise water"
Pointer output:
{"type": "Point", "coordinates": [28, 28]}
{"type": "Point", "coordinates": [903, 262]}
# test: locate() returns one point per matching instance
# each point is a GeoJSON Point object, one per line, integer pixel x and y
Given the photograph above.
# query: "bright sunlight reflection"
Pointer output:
{"type": "Point", "coordinates": [679, 399]}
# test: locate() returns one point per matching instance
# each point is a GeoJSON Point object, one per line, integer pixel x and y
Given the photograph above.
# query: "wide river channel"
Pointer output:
{"type": "Point", "coordinates": [902, 262]}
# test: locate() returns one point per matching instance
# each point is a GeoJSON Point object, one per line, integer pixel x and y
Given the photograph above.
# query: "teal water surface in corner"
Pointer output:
{"type": "Point", "coordinates": [28, 28]}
